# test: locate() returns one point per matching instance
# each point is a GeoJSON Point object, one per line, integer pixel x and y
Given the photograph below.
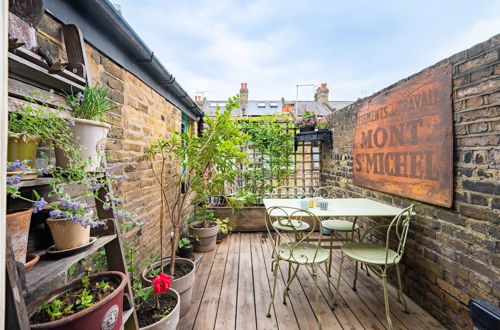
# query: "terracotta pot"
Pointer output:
{"type": "Point", "coordinates": [207, 237]}
{"type": "Point", "coordinates": [18, 227]}
{"type": "Point", "coordinates": [22, 147]}
{"type": "Point", "coordinates": [106, 314]}
{"type": "Point", "coordinates": [183, 285]}
{"type": "Point", "coordinates": [31, 261]}
{"type": "Point", "coordinates": [170, 322]}
{"type": "Point", "coordinates": [67, 234]}
{"type": "Point", "coordinates": [90, 138]}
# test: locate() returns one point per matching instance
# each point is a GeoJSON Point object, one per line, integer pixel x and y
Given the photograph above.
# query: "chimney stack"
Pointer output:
{"type": "Point", "coordinates": [243, 95]}
{"type": "Point", "coordinates": [198, 100]}
{"type": "Point", "coordinates": [321, 94]}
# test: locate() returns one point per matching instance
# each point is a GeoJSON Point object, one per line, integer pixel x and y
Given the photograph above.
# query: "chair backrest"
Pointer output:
{"type": "Point", "coordinates": [331, 192]}
{"type": "Point", "coordinates": [286, 192]}
{"type": "Point", "coordinates": [400, 225]}
{"type": "Point", "coordinates": [290, 219]}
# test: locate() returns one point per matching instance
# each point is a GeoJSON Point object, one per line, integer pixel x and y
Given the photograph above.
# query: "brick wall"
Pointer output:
{"type": "Point", "coordinates": [140, 115]}
{"type": "Point", "coordinates": [452, 254]}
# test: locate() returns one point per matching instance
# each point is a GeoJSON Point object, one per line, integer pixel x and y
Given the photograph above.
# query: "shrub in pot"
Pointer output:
{"type": "Point", "coordinates": [205, 163]}
{"type": "Point", "coordinates": [204, 225]}
{"type": "Point", "coordinates": [87, 127]}
{"type": "Point", "coordinates": [91, 302]}
{"type": "Point", "coordinates": [224, 228]}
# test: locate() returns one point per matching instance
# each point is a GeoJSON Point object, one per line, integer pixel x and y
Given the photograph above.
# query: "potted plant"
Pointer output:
{"type": "Point", "coordinates": [224, 229]}
{"type": "Point", "coordinates": [205, 226]}
{"type": "Point", "coordinates": [205, 163]}
{"type": "Point", "coordinates": [157, 306]}
{"type": "Point", "coordinates": [308, 122]}
{"type": "Point", "coordinates": [87, 127]}
{"type": "Point", "coordinates": [30, 124]}
{"type": "Point", "coordinates": [91, 302]}
{"type": "Point", "coordinates": [186, 247]}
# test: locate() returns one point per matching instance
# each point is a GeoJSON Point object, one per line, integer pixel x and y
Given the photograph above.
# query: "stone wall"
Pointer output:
{"type": "Point", "coordinates": [452, 254]}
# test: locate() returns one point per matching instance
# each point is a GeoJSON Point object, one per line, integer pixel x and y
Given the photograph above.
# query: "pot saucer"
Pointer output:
{"type": "Point", "coordinates": [31, 260]}
{"type": "Point", "coordinates": [64, 253]}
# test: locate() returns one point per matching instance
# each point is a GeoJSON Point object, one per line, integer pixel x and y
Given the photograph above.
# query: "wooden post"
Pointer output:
{"type": "Point", "coordinates": [3, 146]}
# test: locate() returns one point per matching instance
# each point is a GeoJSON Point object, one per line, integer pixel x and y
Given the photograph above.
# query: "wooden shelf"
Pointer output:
{"type": "Point", "coordinates": [35, 72]}
{"type": "Point", "coordinates": [48, 269]}
{"type": "Point", "coordinates": [32, 183]}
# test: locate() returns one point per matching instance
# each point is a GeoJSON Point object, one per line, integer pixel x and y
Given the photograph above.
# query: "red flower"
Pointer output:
{"type": "Point", "coordinates": [161, 283]}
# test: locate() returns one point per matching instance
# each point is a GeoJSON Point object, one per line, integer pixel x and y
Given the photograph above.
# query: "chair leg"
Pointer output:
{"type": "Point", "coordinates": [338, 280]}
{"type": "Point", "coordinates": [329, 286]}
{"type": "Point", "coordinates": [316, 294]}
{"type": "Point", "coordinates": [386, 301]}
{"type": "Point", "coordinates": [289, 281]}
{"type": "Point", "coordinates": [355, 277]}
{"type": "Point", "coordinates": [275, 274]}
{"type": "Point", "coordinates": [401, 297]}
{"type": "Point", "coordinates": [329, 270]}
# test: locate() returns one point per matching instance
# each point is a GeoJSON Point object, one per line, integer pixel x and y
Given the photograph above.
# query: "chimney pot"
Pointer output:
{"type": "Point", "coordinates": [323, 85]}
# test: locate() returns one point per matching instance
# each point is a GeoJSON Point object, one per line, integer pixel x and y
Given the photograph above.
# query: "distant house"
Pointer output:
{"type": "Point", "coordinates": [256, 108]}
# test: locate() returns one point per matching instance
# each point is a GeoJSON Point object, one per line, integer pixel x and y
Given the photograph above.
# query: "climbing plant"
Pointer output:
{"type": "Point", "coordinates": [271, 144]}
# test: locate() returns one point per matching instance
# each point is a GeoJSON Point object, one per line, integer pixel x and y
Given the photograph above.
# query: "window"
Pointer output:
{"type": "Point", "coordinates": [261, 105]}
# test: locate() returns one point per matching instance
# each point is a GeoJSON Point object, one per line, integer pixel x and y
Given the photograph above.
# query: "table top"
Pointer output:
{"type": "Point", "coordinates": [341, 207]}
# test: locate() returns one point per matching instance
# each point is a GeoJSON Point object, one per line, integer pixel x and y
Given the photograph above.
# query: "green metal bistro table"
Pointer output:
{"type": "Point", "coordinates": [339, 207]}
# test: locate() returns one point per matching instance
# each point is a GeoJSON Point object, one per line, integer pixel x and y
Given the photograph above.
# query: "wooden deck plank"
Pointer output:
{"type": "Point", "coordinates": [261, 284]}
{"type": "Point", "coordinates": [226, 312]}
{"type": "Point", "coordinates": [232, 290]}
{"type": "Point", "coordinates": [304, 314]}
{"type": "Point", "coordinates": [245, 312]}
{"type": "Point", "coordinates": [202, 273]}
{"type": "Point", "coordinates": [284, 314]}
{"type": "Point", "coordinates": [210, 301]}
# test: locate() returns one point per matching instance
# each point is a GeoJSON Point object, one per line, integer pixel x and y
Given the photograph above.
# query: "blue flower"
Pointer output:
{"type": "Point", "coordinates": [72, 122]}
{"type": "Point", "coordinates": [39, 205]}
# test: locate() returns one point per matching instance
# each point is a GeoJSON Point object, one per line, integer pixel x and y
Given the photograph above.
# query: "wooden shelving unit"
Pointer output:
{"type": "Point", "coordinates": [49, 273]}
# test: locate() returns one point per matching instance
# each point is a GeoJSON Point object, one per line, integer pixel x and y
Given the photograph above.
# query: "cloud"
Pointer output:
{"type": "Point", "coordinates": [273, 45]}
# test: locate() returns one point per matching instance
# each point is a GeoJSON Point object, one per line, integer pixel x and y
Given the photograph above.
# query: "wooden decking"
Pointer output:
{"type": "Point", "coordinates": [232, 291]}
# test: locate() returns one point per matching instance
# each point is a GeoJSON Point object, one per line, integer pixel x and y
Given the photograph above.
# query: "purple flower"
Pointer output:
{"type": "Point", "coordinates": [13, 179]}
{"type": "Point", "coordinates": [56, 213]}
{"type": "Point", "coordinates": [81, 98]}
{"type": "Point", "coordinates": [39, 205]}
{"type": "Point", "coordinates": [72, 122]}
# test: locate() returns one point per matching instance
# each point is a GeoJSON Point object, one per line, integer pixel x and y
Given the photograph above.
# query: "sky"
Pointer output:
{"type": "Point", "coordinates": [357, 47]}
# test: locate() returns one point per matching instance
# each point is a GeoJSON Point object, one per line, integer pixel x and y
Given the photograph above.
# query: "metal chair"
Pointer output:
{"type": "Point", "coordinates": [337, 225]}
{"type": "Point", "coordinates": [296, 253]}
{"type": "Point", "coordinates": [380, 258]}
{"type": "Point", "coordinates": [287, 192]}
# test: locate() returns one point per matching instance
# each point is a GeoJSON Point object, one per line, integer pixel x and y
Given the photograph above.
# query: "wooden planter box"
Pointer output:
{"type": "Point", "coordinates": [247, 219]}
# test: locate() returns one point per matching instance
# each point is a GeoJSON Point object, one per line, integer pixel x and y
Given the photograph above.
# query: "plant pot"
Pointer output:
{"type": "Point", "coordinates": [18, 227]}
{"type": "Point", "coordinates": [207, 237]}
{"type": "Point", "coordinates": [90, 138]}
{"type": "Point", "coordinates": [172, 319]}
{"type": "Point", "coordinates": [186, 253]}
{"type": "Point", "coordinates": [22, 147]}
{"type": "Point", "coordinates": [67, 234]}
{"type": "Point", "coordinates": [306, 129]}
{"type": "Point", "coordinates": [105, 314]}
{"type": "Point", "coordinates": [183, 285]}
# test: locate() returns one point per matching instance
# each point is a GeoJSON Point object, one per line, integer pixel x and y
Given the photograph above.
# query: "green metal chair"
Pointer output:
{"type": "Point", "coordinates": [348, 228]}
{"type": "Point", "coordinates": [296, 253]}
{"type": "Point", "coordinates": [380, 258]}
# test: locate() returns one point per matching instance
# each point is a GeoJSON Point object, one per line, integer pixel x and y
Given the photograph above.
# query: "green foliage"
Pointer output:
{"type": "Point", "coordinates": [271, 137]}
{"type": "Point", "coordinates": [91, 104]}
{"type": "Point", "coordinates": [224, 226]}
{"type": "Point", "coordinates": [56, 310]}
{"type": "Point", "coordinates": [184, 243]}
{"type": "Point", "coordinates": [208, 161]}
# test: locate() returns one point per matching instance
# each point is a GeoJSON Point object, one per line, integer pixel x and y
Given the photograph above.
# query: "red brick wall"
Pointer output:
{"type": "Point", "coordinates": [452, 254]}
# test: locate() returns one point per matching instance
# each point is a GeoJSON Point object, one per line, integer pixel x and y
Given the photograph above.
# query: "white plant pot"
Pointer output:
{"type": "Point", "coordinates": [90, 139]}
{"type": "Point", "coordinates": [170, 322]}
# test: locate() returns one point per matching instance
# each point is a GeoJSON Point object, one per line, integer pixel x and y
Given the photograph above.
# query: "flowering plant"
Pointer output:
{"type": "Point", "coordinates": [323, 124]}
{"type": "Point", "coordinates": [308, 119]}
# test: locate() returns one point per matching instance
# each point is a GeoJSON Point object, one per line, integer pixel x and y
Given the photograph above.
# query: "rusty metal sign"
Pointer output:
{"type": "Point", "coordinates": [404, 140]}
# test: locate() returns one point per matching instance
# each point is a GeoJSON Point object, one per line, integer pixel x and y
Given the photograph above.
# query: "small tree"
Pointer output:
{"type": "Point", "coordinates": [207, 163]}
